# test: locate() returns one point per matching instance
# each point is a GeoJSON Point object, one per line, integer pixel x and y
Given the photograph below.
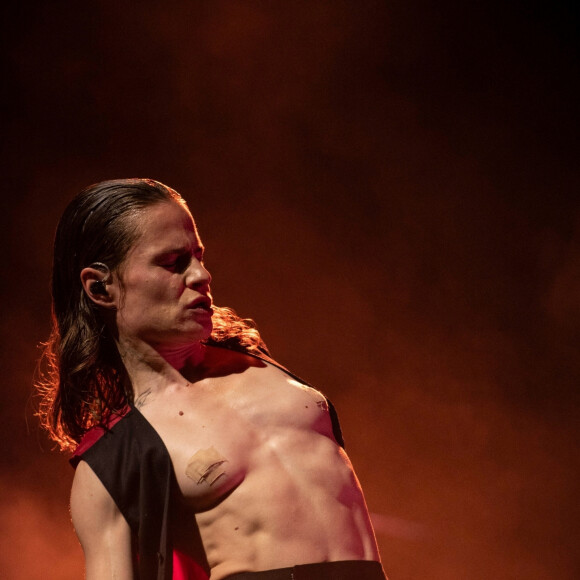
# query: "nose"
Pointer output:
{"type": "Point", "coordinates": [197, 275]}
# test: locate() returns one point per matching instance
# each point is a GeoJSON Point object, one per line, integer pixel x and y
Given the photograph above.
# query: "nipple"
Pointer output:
{"type": "Point", "coordinates": [206, 466]}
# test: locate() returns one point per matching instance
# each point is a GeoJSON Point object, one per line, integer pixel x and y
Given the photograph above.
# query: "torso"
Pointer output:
{"type": "Point", "coordinates": [260, 471]}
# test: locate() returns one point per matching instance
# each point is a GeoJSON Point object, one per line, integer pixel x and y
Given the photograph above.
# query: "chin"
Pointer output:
{"type": "Point", "coordinates": [203, 332]}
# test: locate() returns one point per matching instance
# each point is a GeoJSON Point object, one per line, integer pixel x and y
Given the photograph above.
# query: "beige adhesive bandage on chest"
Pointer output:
{"type": "Point", "coordinates": [207, 465]}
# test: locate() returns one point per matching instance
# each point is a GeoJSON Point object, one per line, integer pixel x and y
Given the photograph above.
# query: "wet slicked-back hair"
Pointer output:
{"type": "Point", "coordinates": [85, 380]}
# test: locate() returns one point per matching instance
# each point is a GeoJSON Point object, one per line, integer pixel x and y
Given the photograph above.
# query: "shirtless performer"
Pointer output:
{"type": "Point", "coordinates": [196, 454]}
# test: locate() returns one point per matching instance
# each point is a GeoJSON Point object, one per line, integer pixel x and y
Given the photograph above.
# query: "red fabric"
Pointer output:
{"type": "Point", "coordinates": [94, 434]}
{"type": "Point", "coordinates": [184, 568]}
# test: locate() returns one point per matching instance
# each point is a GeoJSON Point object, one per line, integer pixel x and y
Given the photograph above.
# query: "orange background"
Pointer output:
{"type": "Point", "coordinates": [391, 189]}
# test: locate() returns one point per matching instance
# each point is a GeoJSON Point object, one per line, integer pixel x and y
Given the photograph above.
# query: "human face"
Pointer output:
{"type": "Point", "coordinates": [164, 297]}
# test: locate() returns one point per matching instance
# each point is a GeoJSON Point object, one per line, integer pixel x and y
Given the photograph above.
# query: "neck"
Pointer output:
{"type": "Point", "coordinates": [155, 368]}
{"type": "Point", "coordinates": [181, 355]}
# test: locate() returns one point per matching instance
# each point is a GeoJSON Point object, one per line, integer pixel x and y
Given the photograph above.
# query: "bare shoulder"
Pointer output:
{"type": "Point", "coordinates": [259, 377]}
{"type": "Point", "coordinates": [102, 530]}
{"type": "Point", "coordinates": [89, 497]}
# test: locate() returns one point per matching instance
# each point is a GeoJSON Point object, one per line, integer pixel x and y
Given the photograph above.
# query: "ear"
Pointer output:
{"type": "Point", "coordinates": [99, 286]}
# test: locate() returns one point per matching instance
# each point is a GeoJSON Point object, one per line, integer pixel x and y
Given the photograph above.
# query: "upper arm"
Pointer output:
{"type": "Point", "coordinates": [102, 530]}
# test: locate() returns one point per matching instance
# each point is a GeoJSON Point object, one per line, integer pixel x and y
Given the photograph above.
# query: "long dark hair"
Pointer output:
{"type": "Point", "coordinates": [84, 380]}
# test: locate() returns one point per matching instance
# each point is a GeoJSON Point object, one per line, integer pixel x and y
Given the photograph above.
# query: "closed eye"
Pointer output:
{"type": "Point", "coordinates": [181, 262]}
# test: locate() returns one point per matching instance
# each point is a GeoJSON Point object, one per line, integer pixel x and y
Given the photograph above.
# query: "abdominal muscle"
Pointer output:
{"type": "Point", "coordinates": [263, 482]}
{"type": "Point", "coordinates": [298, 503]}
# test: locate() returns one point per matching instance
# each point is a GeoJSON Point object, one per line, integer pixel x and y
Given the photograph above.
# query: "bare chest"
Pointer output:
{"type": "Point", "coordinates": [221, 433]}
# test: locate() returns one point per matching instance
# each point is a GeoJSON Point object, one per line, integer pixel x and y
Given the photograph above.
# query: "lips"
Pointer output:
{"type": "Point", "coordinates": [202, 303]}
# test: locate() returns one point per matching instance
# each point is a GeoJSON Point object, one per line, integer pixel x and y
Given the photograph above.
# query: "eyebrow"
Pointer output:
{"type": "Point", "coordinates": [182, 250]}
